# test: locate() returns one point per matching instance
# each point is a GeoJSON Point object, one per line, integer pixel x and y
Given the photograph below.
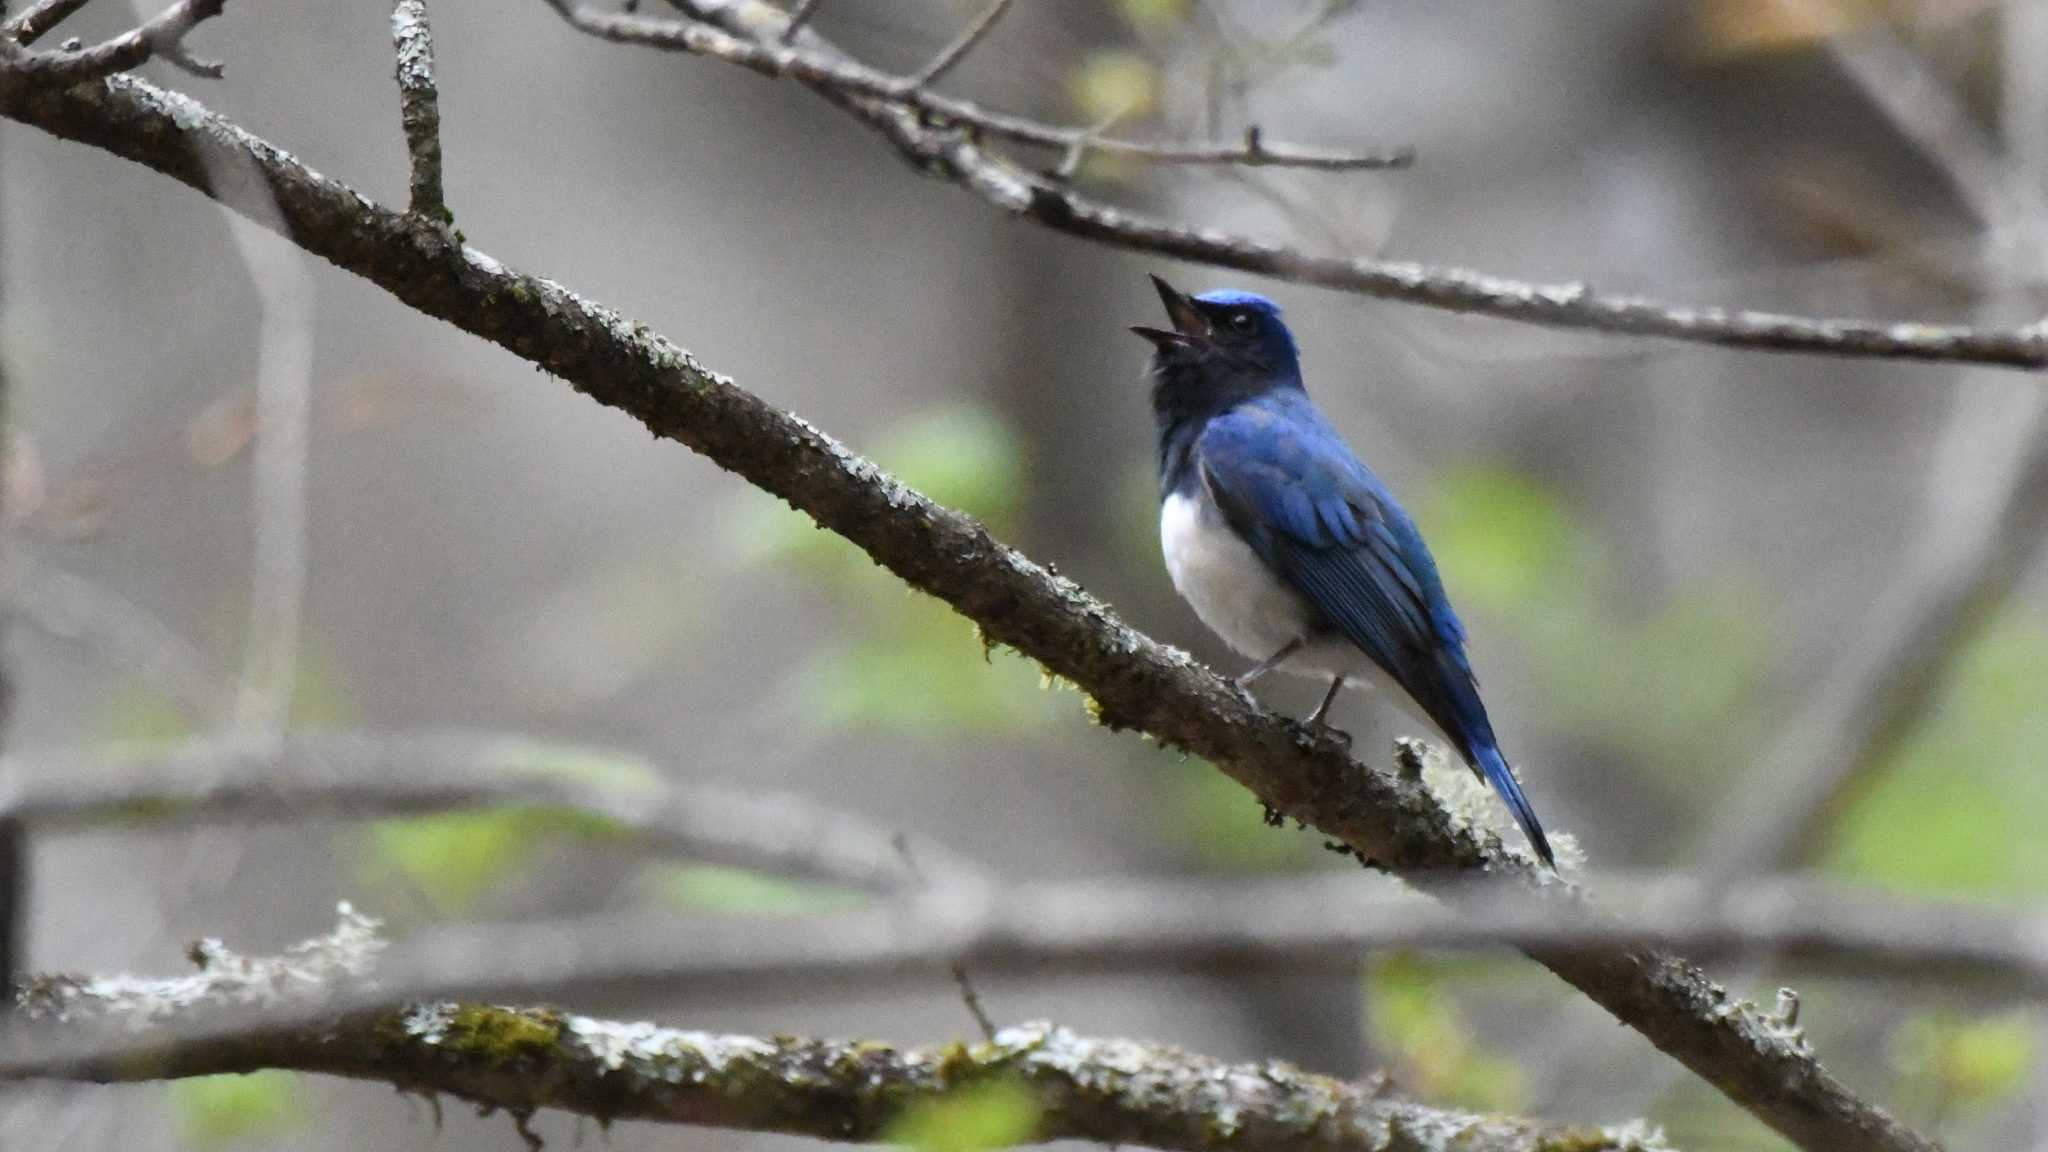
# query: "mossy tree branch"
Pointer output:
{"type": "Point", "coordinates": [1132, 681]}
{"type": "Point", "coordinates": [524, 1060]}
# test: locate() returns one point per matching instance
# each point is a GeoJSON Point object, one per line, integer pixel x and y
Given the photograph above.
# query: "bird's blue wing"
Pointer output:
{"type": "Point", "coordinates": [1288, 485]}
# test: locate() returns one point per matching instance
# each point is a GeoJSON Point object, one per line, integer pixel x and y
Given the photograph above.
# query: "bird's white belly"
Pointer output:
{"type": "Point", "coordinates": [1234, 593]}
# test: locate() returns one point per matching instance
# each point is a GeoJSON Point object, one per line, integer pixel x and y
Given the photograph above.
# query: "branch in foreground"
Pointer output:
{"type": "Point", "coordinates": [1133, 681]}
{"type": "Point", "coordinates": [523, 1060]}
{"type": "Point", "coordinates": [379, 774]}
{"type": "Point", "coordinates": [946, 151]}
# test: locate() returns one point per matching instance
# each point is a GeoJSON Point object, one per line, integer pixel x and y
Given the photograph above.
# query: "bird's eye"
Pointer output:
{"type": "Point", "coordinates": [1240, 322]}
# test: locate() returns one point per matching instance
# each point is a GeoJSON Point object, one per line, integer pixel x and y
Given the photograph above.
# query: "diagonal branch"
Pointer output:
{"type": "Point", "coordinates": [522, 1060]}
{"type": "Point", "coordinates": [1133, 682]}
{"type": "Point", "coordinates": [946, 147]}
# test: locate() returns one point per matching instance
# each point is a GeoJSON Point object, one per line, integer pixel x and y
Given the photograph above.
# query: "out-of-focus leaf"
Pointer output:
{"type": "Point", "coordinates": [1110, 83]}
{"type": "Point", "coordinates": [454, 859]}
{"type": "Point", "coordinates": [995, 1115]}
{"type": "Point", "coordinates": [1413, 1012]}
{"type": "Point", "coordinates": [214, 1112]}
{"type": "Point", "coordinates": [1510, 537]}
{"type": "Point", "coordinates": [737, 891]}
{"type": "Point", "coordinates": [923, 672]}
{"type": "Point", "coordinates": [1953, 1062]}
{"type": "Point", "coordinates": [137, 719]}
{"type": "Point", "coordinates": [1152, 15]}
{"type": "Point", "coordinates": [1225, 827]}
{"type": "Point", "coordinates": [1959, 806]}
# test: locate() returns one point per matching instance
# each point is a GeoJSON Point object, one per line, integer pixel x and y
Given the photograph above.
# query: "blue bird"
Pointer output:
{"type": "Point", "coordinates": [1287, 546]}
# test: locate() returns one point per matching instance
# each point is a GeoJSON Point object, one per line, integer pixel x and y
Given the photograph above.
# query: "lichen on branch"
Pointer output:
{"type": "Point", "coordinates": [522, 1060]}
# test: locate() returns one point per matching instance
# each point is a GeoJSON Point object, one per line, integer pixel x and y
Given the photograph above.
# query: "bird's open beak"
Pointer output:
{"type": "Point", "coordinates": [1189, 325]}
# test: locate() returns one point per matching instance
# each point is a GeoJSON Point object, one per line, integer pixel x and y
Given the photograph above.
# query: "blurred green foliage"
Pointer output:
{"type": "Point", "coordinates": [1958, 805]}
{"type": "Point", "coordinates": [1950, 1064]}
{"type": "Point", "coordinates": [452, 860]}
{"type": "Point", "coordinates": [994, 1115]}
{"type": "Point", "coordinates": [1413, 1010]}
{"type": "Point", "coordinates": [139, 720]}
{"type": "Point", "coordinates": [1672, 690]}
{"type": "Point", "coordinates": [740, 892]}
{"type": "Point", "coordinates": [213, 1112]}
{"type": "Point", "coordinates": [908, 663]}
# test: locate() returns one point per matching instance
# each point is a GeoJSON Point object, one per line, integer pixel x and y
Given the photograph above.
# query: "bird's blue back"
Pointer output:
{"type": "Point", "coordinates": [1240, 429]}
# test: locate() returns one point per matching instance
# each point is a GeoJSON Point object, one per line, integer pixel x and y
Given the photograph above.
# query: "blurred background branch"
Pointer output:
{"type": "Point", "coordinates": [1057, 1085]}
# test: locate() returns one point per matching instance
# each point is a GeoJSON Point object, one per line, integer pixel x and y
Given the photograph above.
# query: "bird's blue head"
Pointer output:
{"type": "Point", "coordinates": [1224, 347]}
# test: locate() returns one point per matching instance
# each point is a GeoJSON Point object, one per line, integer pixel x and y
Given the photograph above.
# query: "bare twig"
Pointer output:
{"type": "Point", "coordinates": [380, 774]}
{"type": "Point", "coordinates": [1105, 1091]}
{"type": "Point", "coordinates": [1133, 681]}
{"type": "Point", "coordinates": [21, 68]}
{"type": "Point", "coordinates": [949, 153]}
{"type": "Point", "coordinates": [419, 107]}
{"type": "Point", "coordinates": [39, 18]}
{"type": "Point", "coordinates": [800, 16]}
{"type": "Point", "coordinates": [950, 56]}
{"type": "Point", "coordinates": [800, 61]}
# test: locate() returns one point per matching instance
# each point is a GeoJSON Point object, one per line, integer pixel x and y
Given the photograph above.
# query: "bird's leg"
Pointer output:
{"type": "Point", "coordinates": [1315, 718]}
{"type": "Point", "coordinates": [1252, 674]}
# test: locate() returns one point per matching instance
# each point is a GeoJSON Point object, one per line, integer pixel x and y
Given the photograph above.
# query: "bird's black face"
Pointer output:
{"type": "Point", "coordinates": [1224, 347]}
{"type": "Point", "coordinates": [1231, 333]}
{"type": "Point", "coordinates": [1233, 330]}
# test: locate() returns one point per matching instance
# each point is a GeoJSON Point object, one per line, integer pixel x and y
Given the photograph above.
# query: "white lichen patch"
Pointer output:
{"type": "Point", "coordinates": [671, 1054]}
{"type": "Point", "coordinates": [429, 1022]}
{"type": "Point", "coordinates": [313, 968]}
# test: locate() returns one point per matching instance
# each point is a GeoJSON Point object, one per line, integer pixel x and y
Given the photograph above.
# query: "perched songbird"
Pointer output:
{"type": "Point", "coordinates": [1286, 545]}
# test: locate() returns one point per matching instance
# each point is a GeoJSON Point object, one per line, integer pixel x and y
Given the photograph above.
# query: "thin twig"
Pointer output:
{"type": "Point", "coordinates": [950, 56]}
{"type": "Point", "coordinates": [419, 107]}
{"type": "Point", "coordinates": [39, 18]}
{"type": "Point", "coordinates": [21, 68]}
{"type": "Point", "coordinates": [800, 16]}
{"type": "Point", "coordinates": [1133, 681]}
{"type": "Point", "coordinates": [885, 105]}
{"type": "Point", "coordinates": [803, 61]}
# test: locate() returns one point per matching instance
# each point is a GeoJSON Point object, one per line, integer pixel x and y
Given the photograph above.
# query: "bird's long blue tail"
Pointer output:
{"type": "Point", "coordinates": [1488, 760]}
